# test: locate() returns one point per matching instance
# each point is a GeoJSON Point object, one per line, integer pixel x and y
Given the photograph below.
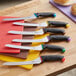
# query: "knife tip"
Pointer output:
{"type": "Point", "coordinates": [15, 23]}
{"type": "Point", "coordinates": [7, 45]}
{"type": "Point", "coordinates": [4, 20]}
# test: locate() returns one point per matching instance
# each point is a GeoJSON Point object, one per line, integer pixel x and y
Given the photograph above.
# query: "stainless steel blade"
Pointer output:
{"type": "Point", "coordinates": [44, 24]}
{"type": "Point", "coordinates": [39, 32]}
{"type": "Point", "coordinates": [25, 47]}
{"type": "Point", "coordinates": [22, 18]}
{"type": "Point", "coordinates": [45, 39]}
{"type": "Point", "coordinates": [36, 61]}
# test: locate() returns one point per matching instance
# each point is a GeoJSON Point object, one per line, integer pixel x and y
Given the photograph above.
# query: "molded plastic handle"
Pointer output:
{"type": "Point", "coordinates": [59, 38]}
{"type": "Point", "coordinates": [54, 30]}
{"type": "Point", "coordinates": [47, 58]}
{"type": "Point", "coordinates": [45, 14]}
{"type": "Point", "coordinates": [53, 47]}
{"type": "Point", "coordinates": [58, 24]}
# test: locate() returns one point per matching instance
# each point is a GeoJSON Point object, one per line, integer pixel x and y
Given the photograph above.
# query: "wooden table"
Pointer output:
{"type": "Point", "coordinates": [53, 68]}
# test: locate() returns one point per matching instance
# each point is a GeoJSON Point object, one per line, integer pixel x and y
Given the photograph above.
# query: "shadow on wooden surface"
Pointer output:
{"type": "Point", "coordinates": [63, 71]}
{"type": "Point", "coordinates": [8, 3]}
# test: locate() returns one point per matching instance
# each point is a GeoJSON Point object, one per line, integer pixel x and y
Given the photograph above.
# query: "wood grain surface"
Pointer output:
{"type": "Point", "coordinates": [27, 9]}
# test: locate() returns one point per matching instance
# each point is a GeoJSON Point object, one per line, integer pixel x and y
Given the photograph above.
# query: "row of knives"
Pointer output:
{"type": "Point", "coordinates": [58, 37]}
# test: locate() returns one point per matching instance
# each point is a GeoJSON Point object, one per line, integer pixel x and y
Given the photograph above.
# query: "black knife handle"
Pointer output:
{"type": "Point", "coordinates": [47, 58]}
{"type": "Point", "coordinates": [45, 14]}
{"type": "Point", "coordinates": [53, 47]}
{"type": "Point", "coordinates": [59, 38]}
{"type": "Point", "coordinates": [58, 24]}
{"type": "Point", "coordinates": [54, 30]}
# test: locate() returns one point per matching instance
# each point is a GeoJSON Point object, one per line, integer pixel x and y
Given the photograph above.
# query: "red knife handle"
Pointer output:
{"type": "Point", "coordinates": [47, 58]}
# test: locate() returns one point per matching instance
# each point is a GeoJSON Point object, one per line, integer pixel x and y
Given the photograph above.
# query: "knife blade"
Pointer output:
{"type": "Point", "coordinates": [45, 24]}
{"type": "Point", "coordinates": [38, 48]}
{"type": "Point", "coordinates": [39, 32]}
{"type": "Point", "coordinates": [34, 16]}
{"type": "Point", "coordinates": [45, 39]}
{"type": "Point", "coordinates": [41, 59]}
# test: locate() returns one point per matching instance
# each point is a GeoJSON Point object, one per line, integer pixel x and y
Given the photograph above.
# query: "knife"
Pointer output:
{"type": "Point", "coordinates": [45, 24]}
{"type": "Point", "coordinates": [38, 48]}
{"type": "Point", "coordinates": [41, 59]}
{"type": "Point", "coordinates": [45, 39]}
{"type": "Point", "coordinates": [34, 16]}
{"type": "Point", "coordinates": [39, 32]}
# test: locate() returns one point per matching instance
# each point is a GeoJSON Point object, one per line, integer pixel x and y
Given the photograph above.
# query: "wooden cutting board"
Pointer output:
{"type": "Point", "coordinates": [27, 9]}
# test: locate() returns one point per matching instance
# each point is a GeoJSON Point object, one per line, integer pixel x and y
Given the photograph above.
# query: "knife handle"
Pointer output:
{"type": "Point", "coordinates": [45, 14]}
{"type": "Point", "coordinates": [53, 47]}
{"type": "Point", "coordinates": [54, 30]}
{"type": "Point", "coordinates": [58, 24]}
{"type": "Point", "coordinates": [47, 58]}
{"type": "Point", "coordinates": [59, 38]}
